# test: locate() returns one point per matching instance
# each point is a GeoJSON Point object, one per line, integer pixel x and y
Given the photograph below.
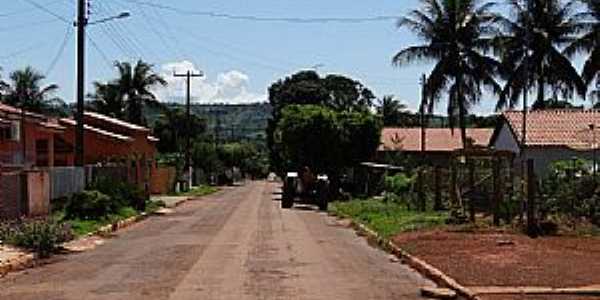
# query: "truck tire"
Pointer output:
{"type": "Point", "coordinates": [287, 201]}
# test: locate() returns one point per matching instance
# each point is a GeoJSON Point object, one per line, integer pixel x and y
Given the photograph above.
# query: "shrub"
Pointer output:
{"type": "Point", "coordinates": [89, 205]}
{"type": "Point", "coordinates": [121, 193]}
{"type": "Point", "coordinates": [399, 184]}
{"type": "Point", "coordinates": [41, 236]}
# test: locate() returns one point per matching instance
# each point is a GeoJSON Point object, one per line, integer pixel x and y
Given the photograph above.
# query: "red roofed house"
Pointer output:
{"type": "Point", "coordinates": [37, 143]}
{"type": "Point", "coordinates": [50, 142]}
{"type": "Point", "coordinates": [440, 142]}
{"type": "Point", "coordinates": [552, 135]}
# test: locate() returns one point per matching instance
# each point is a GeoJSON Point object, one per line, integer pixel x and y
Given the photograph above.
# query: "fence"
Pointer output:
{"type": "Point", "coordinates": [66, 181]}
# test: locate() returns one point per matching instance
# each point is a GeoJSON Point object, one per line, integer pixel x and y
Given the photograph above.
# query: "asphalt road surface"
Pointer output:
{"type": "Point", "coordinates": [236, 244]}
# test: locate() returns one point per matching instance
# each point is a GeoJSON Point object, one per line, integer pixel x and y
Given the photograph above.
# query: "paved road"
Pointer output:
{"type": "Point", "coordinates": [237, 244]}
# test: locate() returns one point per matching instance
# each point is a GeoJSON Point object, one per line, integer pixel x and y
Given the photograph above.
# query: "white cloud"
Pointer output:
{"type": "Point", "coordinates": [230, 87]}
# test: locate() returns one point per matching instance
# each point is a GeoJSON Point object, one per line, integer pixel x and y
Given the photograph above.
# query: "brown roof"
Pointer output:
{"type": "Point", "coordinates": [437, 139]}
{"type": "Point", "coordinates": [557, 127]}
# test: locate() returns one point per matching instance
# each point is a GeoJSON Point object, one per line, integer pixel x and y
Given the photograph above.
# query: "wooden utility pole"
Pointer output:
{"type": "Point", "coordinates": [421, 178]}
{"type": "Point", "coordinates": [81, 23]}
{"type": "Point", "coordinates": [188, 158]}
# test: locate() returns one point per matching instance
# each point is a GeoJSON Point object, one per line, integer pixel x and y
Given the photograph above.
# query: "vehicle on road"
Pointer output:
{"type": "Point", "coordinates": [305, 188]}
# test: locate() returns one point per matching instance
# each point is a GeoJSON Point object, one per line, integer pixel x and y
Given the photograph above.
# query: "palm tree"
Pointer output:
{"type": "Point", "coordinates": [390, 110]}
{"type": "Point", "coordinates": [531, 47]}
{"type": "Point", "coordinates": [457, 35]}
{"type": "Point", "coordinates": [589, 43]}
{"type": "Point", "coordinates": [131, 91]}
{"type": "Point", "coordinates": [25, 90]}
{"type": "Point", "coordinates": [107, 100]}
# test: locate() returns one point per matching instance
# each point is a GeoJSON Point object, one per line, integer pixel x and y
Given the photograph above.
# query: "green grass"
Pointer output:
{"type": "Point", "coordinates": [388, 219]}
{"type": "Point", "coordinates": [199, 191]}
{"type": "Point", "coordinates": [83, 227]}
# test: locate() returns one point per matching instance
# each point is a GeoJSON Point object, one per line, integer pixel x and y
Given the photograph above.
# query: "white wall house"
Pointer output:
{"type": "Point", "coordinates": [552, 135]}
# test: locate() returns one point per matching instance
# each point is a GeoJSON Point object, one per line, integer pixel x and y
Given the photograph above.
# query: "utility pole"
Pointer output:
{"type": "Point", "coordinates": [188, 158]}
{"type": "Point", "coordinates": [80, 23]}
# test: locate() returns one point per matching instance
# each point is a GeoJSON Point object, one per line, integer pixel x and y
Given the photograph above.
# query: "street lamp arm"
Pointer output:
{"type": "Point", "coordinates": [122, 15]}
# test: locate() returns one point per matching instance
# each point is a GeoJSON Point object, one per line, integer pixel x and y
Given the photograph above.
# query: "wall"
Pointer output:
{"type": "Point", "coordinates": [544, 156]}
{"type": "Point", "coordinates": [163, 180]}
{"type": "Point", "coordinates": [66, 181]}
{"type": "Point", "coordinates": [38, 196]}
{"type": "Point", "coordinates": [506, 140]}
{"type": "Point", "coordinates": [11, 189]}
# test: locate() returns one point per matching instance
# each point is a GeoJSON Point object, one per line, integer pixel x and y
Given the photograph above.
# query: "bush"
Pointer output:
{"type": "Point", "coordinates": [41, 236]}
{"type": "Point", "coordinates": [121, 193]}
{"type": "Point", "coordinates": [399, 184]}
{"type": "Point", "coordinates": [88, 205]}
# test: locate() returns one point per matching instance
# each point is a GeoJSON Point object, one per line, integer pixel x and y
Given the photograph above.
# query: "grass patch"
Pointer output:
{"type": "Point", "coordinates": [388, 219]}
{"type": "Point", "coordinates": [199, 191]}
{"type": "Point", "coordinates": [83, 227]}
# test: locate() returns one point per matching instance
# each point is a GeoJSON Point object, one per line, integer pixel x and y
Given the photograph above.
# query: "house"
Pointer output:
{"type": "Point", "coordinates": [439, 146]}
{"type": "Point", "coordinates": [48, 142]}
{"type": "Point", "coordinates": [551, 135]}
{"type": "Point", "coordinates": [27, 139]}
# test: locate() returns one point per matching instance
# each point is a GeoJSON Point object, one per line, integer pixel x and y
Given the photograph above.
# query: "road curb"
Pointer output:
{"type": "Point", "coordinates": [425, 269]}
{"type": "Point", "coordinates": [28, 260]}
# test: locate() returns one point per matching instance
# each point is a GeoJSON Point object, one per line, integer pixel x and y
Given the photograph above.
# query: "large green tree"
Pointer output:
{"type": "Point", "coordinates": [326, 140]}
{"type": "Point", "coordinates": [531, 47]}
{"type": "Point", "coordinates": [129, 92]}
{"type": "Point", "coordinates": [335, 92]}
{"type": "Point", "coordinates": [25, 90]}
{"type": "Point", "coordinates": [456, 35]}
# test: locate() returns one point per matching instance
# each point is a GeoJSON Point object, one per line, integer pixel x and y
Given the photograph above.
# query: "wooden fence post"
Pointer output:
{"type": "Point", "coordinates": [421, 192]}
{"type": "Point", "coordinates": [471, 168]}
{"type": "Point", "coordinates": [532, 226]}
{"type": "Point", "coordinates": [438, 191]}
{"type": "Point", "coordinates": [497, 191]}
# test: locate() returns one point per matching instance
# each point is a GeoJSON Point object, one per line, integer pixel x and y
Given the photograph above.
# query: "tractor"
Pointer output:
{"type": "Point", "coordinates": [305, 188]}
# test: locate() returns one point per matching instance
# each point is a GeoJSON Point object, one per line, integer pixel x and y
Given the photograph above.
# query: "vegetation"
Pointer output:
{"type": "Point", "coordinates": [41, 236]}
{"type": "Point", "coordinates": [388, 218]}
{"type": "Point", "coordinates": [126, 96]}
{"type": "Point", "coordinates": [25, 90]}
{"type": "Point", "coordinates": [325, 140]}
{"type": "Point", "coordinates": [457, 36]}
{"type": "Point", "coordinates": [200, 191]}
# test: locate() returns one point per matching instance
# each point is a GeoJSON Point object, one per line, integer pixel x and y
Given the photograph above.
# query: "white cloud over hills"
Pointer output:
{"type": "Point", "coordinates": [230, 87]}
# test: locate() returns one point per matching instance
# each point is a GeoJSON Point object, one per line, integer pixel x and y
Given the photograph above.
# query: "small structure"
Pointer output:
{"type": "Point", "coordinates": [551, 135]}
{"type": "Point", "coordinates": [440, 143]}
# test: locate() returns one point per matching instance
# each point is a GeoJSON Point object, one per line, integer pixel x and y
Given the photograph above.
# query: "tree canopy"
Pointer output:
{"type": "Point", "coordinates": [326, 140]}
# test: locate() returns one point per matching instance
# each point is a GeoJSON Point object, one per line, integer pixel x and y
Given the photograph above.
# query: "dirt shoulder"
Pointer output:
{"type": "Point", "coordinates": [505, 259]}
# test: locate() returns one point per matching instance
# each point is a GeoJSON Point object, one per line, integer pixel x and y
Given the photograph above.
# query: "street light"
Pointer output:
{"type": "Point", "coordinates": [122, 15]}
{"type": "Point", "coordinates": [81, 23]}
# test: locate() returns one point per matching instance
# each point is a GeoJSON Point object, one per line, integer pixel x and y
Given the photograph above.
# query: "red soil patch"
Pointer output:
{"type": "Point", "coordinates": [478, 259]}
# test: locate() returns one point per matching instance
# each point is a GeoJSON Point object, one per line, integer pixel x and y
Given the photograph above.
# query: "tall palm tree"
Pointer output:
{"type": "Point", "coordinates": [589, 43]}
{"type": "Point", "coordinates": [457, 36]}
{"type": "Point", "coordinates": [132, 90]}
{"type": "Point", "coordinates": [107, 100]}
{"type": "Point", "coordinates": [531, 46]}
{"type": "Point", "coordinates": [25, 90]}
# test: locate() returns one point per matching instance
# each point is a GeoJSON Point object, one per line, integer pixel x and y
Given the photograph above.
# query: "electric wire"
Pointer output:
{"type": "Point", "coordinates": [61, 50]}
{"type": "Point", "coordinates": [42, 8]}
{"type": "Point", "coordinates": [214, 14]}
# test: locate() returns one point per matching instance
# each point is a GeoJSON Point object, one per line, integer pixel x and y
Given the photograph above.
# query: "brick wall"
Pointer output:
{"type": "Point", "coordinates": [162, 180]}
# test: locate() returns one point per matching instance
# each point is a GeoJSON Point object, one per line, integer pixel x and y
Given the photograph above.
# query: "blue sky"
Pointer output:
{"type": "Point", "coordinates": [240, 58]}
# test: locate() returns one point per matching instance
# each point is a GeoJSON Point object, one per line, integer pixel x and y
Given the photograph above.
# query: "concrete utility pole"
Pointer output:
{"type": "Point", "coordinates": [188, 158]}
{"type": "Point", "coordinates": [80, 23]}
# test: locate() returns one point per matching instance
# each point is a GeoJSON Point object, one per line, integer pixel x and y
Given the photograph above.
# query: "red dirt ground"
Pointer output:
{"type": "Point", "coordinates": [477, 259]}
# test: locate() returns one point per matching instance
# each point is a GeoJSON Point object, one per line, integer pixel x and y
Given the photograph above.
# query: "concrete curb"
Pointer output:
{"type": "Point", "coordinates": [579, 291]}
{"type": "Point", "coordinates": [29, 260]}
{"type": "Point", "coordinates": [417, 264]}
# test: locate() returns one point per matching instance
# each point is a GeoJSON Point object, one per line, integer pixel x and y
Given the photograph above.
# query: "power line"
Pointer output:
{"type": "Point", "coordinates": [27, 25]}
{"type": "Point", "coordinates": [61, 50]}
{"type": "Point", "coordinates": [42, 8]}
{"type": "Point", "coordinates": [100, 51]}
{"type": "Point", "coordinates": [35, 46]}
{"type": "Point", "coordinates": [25, 11]}
{"type": "Point", "coordinates": [214, 14]}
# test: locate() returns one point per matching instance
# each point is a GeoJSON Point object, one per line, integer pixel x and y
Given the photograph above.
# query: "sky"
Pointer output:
{"type": "Point", "coordinates": [239, 58]}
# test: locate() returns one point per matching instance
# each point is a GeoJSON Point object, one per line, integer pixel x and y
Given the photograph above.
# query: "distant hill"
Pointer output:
{"type": "Point", "coordinates": [240, 121]}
